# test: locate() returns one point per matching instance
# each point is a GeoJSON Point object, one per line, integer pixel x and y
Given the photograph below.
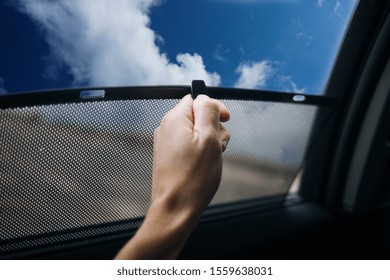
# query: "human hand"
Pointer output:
{"type": "Point", "coordinates": [188, 148]}
{"type": "Point", "coordinates": [187, 169]}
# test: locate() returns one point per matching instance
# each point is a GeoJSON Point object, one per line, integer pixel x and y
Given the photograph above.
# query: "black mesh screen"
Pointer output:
{"type": "Point", "coordinates": [66, 169]}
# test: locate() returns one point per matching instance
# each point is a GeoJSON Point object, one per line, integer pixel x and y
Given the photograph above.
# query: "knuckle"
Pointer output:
{"type": "Point", "coordinates": [205, 101]}
{"type": "Point", "coordinates": [208, 103]}
{"type": "Point", "coordinates": [210, 138]}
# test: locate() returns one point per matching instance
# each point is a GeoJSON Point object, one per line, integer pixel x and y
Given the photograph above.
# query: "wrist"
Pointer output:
{"type": "Point", "coordinates": [174, 221]}
{"type": "Point", "coordinates": [162, 235]}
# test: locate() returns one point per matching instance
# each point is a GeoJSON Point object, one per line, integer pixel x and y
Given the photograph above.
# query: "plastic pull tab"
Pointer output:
{"type": "Point", "coordinates": [198, 87]}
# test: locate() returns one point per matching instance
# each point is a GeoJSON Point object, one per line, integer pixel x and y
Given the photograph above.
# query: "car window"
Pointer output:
{"type": "Point", "coordinates": [75, 167]}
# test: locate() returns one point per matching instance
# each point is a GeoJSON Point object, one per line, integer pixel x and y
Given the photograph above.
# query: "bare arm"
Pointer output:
{"type": "Point", "coordinates": [187, 168]}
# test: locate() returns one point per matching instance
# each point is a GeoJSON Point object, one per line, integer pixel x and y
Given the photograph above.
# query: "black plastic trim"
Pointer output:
{"type": "Point", "coordinates": [38, 98]}
{"type": "Point", "coordinates": [68, 231]}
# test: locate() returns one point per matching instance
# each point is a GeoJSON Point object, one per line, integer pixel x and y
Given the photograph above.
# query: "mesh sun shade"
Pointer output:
{"type": "Point", "coordinates": [67, 170]}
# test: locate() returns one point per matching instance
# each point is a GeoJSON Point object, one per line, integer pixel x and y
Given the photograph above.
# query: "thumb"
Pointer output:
{"type": "Point", "coordinates": [184, 108]}
{"type": "Point", "coordinates": [206, 114]}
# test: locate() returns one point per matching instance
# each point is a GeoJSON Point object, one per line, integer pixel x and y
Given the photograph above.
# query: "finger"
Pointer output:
{"type": "Point", "coordinates": [225, 136]}
{"type": "Point", "coordinates": [224, 114]}
{"type": "Point", "coordinates": [183, 108]}
{"type": "Point", "coordinates": [185, 105]}
{"type": "Point", "coordinates": [206, 114]}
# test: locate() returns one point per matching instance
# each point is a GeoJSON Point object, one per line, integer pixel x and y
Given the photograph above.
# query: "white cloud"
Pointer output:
{"type": "Point", "coordinates": [320, 3]}
{"type": "Point", "coordinates": [219, 54]}
{"type": "Point", "coordinates": [219, 57]}
{"type": "Point", "coordinates": [111, 43]}
{"type": "Point", "coordinates": [286, 83]}
{"type": "Point", "coordinates": [253, 74]}
{"type": "Point", "coordinates": [303, 35]}
{"type": "Point", "coordinates": [336, 7]}
{"type": "Point", "coordinates": [2, 88]}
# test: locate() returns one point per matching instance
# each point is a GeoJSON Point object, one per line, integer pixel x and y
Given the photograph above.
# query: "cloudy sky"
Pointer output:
{"type": "Point", "coordinates": [277, 45]}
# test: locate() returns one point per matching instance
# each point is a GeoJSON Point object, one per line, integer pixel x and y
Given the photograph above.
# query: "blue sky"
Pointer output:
{"type": "Point", "coordinates": [277, 45]}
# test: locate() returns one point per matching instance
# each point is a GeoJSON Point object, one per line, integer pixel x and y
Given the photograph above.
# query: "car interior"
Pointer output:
{"type": "Point", "coordinates": [305, 176]}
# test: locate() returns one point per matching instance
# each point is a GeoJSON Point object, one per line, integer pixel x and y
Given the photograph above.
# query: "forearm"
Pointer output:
{"type": "Point", "coordinates": [161, 236]}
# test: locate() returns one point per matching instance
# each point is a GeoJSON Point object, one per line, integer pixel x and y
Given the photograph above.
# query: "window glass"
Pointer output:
{"type": "Point", "coordinates": [275, 45]}
{"type": "Point", "coordinates": [79, 165]}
